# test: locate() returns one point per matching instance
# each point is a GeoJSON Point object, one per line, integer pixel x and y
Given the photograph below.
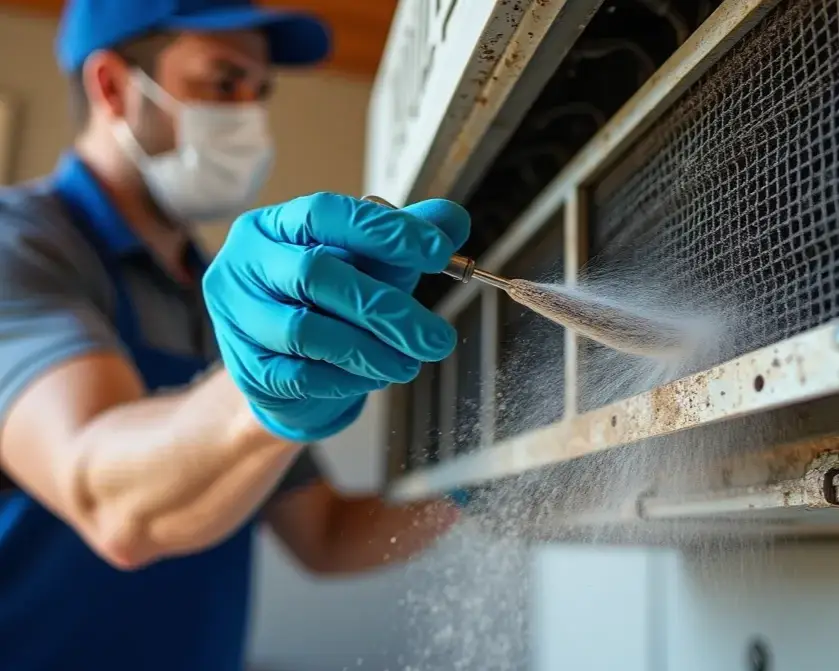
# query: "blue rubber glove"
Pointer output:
{"type": "Point", "coordinates": [311, 306]}
{"type": "Point", "coordinates": [460, 498]}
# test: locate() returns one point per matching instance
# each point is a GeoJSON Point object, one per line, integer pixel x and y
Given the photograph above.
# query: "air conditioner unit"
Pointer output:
{"type": "Point", "coordinates": [690, 144]}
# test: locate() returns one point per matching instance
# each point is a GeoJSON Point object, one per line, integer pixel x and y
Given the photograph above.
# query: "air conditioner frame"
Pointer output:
{"type": "Point", "coordinates": [433, 130]}
{"type": "Point", "coordinates": [800, 370]}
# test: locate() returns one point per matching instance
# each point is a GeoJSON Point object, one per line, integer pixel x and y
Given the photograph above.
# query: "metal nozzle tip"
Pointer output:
{"type": "Point", "coordinates": [460, 268]}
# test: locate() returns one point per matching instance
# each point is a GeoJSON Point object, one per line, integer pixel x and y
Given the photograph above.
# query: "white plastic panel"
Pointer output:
{"type": "Point", "coordinates": [742, 608]}
{"type": "Point", "coordinates": [455, 80]}
{"type": "Point", "coordinates": [782, 600]}
{"type": "Point", "coordinates": [426, 67]}
{"type": "Point", "coordinates": [598, 609]}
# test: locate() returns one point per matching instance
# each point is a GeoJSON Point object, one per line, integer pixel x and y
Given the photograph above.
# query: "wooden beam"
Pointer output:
{"type": "Point", "coordinates": [360, 28]}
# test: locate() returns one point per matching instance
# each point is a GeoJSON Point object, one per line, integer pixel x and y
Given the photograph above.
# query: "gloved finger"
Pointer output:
{"type": "Point", "coordinates": [280, 376]}
{"type": "Point", "coordinates": [314, 276]}
{"type": "Point", "coordinates": [304, 379]}
{"type": "Point", "coordinates": [386, 235]}
{"type": "Point", "coordinates": [300, 331]}
{"type": "Point", "coordinates": [448, 216]}
{"type": "Point", "coordinates": [405, 279]}
{"type": "Point", "coordinates": [402, 278]}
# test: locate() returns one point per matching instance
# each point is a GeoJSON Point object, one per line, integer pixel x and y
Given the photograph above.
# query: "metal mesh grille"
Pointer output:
{"type": "Point", "coordinates": [734, 191]}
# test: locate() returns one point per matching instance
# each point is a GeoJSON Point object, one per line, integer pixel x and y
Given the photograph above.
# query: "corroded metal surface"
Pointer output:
{"type": "Point", "coordinates": [791, 372]}
{"type": "Point", "coordinates": [805, 492]}
{"type": "Point", "coordinates": [782, 484]}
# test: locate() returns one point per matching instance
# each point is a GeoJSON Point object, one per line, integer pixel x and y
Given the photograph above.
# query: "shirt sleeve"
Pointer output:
{"type": "Point", "coordinates": [49, 308]}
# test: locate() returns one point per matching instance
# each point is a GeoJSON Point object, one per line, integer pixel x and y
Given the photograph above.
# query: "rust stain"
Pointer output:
{"type": "Point", "coordinates": [511, 60]}
{"type": "Point", "coordinates": [682, 403]}
{"type": "Point", "coordinates": [666, 409]}
{"type": "Point", "coordinates": [462, 150]}
{"type": "Point", "coordinates": [801, 369]}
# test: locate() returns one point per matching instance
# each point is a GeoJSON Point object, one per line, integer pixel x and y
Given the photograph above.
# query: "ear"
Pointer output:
{"type": "Point", "coordinates": [106, 79]}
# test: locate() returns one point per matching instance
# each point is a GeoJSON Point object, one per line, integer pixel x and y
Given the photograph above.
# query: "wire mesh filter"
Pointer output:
{"type": "Point", "coordinates": [733, 194]}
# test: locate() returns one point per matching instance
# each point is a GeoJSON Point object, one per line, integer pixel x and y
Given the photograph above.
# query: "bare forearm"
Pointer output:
{"type": "Point", "coordinates": [173, 474]}
{"type": "Point", "coordinates": [368, 533]}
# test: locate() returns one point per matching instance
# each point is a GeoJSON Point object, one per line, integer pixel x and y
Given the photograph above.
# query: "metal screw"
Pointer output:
{"type": "Point", "coordinates": [831, 486]}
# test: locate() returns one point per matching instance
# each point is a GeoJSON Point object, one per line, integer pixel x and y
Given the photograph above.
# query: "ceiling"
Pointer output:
{"type": "Point", "coordinates": [359, 27]}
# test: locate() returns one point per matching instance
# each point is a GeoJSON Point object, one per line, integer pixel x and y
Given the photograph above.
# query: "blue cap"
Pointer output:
{"type": "Point", "coordinates": [294, 38]}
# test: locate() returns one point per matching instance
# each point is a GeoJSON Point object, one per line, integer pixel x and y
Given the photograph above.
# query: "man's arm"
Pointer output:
{"type": "Point", "coordinates": [333, 534]}
{"type": "Point", "coordinates": [139, 478]}
{"type": "Point", "coordinates": [303, 333]}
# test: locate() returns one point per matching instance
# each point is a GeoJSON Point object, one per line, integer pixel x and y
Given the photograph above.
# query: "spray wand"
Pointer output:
{"type": "Point", "coordinates": [600, 319]}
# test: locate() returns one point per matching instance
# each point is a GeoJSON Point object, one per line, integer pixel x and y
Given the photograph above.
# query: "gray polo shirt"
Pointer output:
{"type": "Point", "coordinates": [57, 300]}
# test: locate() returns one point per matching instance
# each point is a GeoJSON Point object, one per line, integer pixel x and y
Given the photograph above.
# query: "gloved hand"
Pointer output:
{"type": "Point", "coordinates": [311, 306]}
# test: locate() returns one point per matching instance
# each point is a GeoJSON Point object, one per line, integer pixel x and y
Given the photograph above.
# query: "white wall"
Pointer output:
{"type": "Point", "coordinates": [300, 624]}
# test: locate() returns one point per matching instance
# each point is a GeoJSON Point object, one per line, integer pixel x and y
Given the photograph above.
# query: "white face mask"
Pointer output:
{"type": "Point", "coordinates": [223, 156]}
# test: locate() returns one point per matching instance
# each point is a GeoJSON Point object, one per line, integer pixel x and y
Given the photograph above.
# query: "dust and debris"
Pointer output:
{"type": "Point", "coordinates": [637, 331]}
{"type": "Point", "coordinates": [468, 604]}
{"type": "Point", "coordinates": [473, 611]}
{"type": "Point", "coordinates": [474, 608]}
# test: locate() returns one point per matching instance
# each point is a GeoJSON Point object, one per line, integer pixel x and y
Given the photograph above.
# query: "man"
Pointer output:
{"type": "Point", "coordinates": [138, 473]}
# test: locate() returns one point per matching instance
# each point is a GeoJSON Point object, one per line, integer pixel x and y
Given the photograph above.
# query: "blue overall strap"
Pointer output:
{"type": "Point", "coordinates": [96, 219]}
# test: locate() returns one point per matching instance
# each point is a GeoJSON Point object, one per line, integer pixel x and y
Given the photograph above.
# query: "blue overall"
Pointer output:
{"type": "Point", "coordinates": [62, 607]}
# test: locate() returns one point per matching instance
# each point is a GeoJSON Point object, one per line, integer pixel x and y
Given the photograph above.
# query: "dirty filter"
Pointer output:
{"type": "Point", "coordinates": [731, 198]}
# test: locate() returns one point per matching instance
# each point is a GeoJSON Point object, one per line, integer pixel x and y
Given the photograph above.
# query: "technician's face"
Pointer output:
{"type": "Point", "coordinates": [216, 67]}
{"type": "Point", "coordinates": [219, 68]}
